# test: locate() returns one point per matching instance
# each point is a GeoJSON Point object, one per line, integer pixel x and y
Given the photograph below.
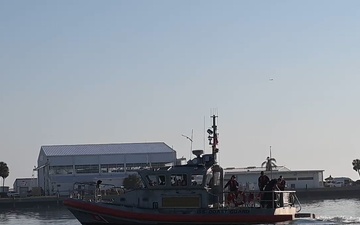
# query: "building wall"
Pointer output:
{"type": "Point", "coordinates": [339, 181]}
{"type": "Point", "coordinates": [24, 184]}
{"type": "Point", "coordinates": [57, 174]}
{"type": "Point", "coordinates": [294, 179]}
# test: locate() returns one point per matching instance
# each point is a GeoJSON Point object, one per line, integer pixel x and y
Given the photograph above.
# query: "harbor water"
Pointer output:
{"type": "Point", "coordinates": [336, 211]}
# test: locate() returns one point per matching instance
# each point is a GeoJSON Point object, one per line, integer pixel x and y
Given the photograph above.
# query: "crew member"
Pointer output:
{"type": "Point", "coordinates": [233, 187]}
{"type": "Point", "coordinates": [281, 183]}
{"type": "Point", "coordinates": [263, 181]}
{"type": "Point", "coordinates": [232, 184]}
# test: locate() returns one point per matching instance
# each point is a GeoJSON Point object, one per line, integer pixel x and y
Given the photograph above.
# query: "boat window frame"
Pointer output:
{"type": "Point", "coordinates": [153, 180]}
{"type": "Point", "coordinates": [182, 179]}
{"type": "Point", "coordinates": [194, 182]}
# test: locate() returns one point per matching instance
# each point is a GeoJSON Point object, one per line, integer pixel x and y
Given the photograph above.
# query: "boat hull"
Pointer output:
{"type": "Point", "coordinates": [107, 213]}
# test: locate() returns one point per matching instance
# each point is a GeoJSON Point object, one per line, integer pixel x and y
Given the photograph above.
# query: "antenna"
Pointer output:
{"type": "Point", "coordinates": [204, 134]}
{"type": "Point", "coordinates": [190, 139]}
{"type": "Point", "coordinates": [214, 111]}
{"type": "Point", "coordinates": [213, 138]}
{"type": "Point", "coordinates": [270, 164]}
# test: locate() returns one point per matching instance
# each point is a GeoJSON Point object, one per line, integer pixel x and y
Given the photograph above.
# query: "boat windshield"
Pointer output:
{"type": "Point", "coordinates": [217, 178]}
{"type": "Point", "coordinates": [213, 178]}
{"type": "Point", "coordinates": [209, 178]}
{"type": "Point", "coordinates": [154, 180]}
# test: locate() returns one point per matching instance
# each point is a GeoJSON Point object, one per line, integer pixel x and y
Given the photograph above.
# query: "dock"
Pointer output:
{"type": "Point", "coordinates": [31, 202]}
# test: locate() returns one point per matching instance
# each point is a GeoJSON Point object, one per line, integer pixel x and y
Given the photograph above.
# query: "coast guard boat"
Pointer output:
{"type": "Point", "coordinates": [188, 194]}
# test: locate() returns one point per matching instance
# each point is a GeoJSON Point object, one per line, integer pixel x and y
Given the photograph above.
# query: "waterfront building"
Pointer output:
{"type": "Point", "coordinates": [23, 186]}
{"type": "Point", "coordinates": [61, 166]}
{"type": "Point", "coordinates": [295, 179]}
{"type": "Point", "coordinates": [338, 181]}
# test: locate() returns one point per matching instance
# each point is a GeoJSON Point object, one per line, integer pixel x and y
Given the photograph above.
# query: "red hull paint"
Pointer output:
{"type": "Point", "coordinates": [168, 218]}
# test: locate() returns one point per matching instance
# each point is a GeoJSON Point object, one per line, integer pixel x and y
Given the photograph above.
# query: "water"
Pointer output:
{"type": "Point", "coordinates": [338, 211]}
{"type": "Point", "coordinates": [40, 216]}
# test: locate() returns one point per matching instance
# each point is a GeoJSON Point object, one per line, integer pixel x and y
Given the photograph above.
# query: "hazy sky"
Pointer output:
{"type": "Point", "coordinates": [76, 72]}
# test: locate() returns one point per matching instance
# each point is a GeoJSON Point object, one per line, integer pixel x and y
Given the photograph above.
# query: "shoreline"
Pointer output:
{"type": "Point", "coordinates": [31, 202]}
{"type": "Point", "coordinates": [329, 193]}
{"type": "Point", "coordinates": [302, 194]}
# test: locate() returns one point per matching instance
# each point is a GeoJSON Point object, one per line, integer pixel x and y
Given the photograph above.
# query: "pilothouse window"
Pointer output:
{"type": "Point", "coordinates": [217, 178]}
{"type": "Point", "coordinates": [213, 179]}
{"type": "Point", "coordinates": [162, 180]}
{"type": "Point", "coordinates": [178, 180]}
{"type": "Point", "coordinates": [209, 180]}
{"type": "Point", "coordinates": [154, 180]}
{"type": "Point", "coordinates": [197, 180]}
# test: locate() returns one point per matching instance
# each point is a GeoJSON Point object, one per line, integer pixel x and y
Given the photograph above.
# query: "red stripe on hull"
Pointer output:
{"type": "Point", "coordinates": [167, 218]}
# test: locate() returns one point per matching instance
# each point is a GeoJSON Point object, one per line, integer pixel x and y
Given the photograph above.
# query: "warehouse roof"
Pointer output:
{"type": "Point", "coordinates": [106, 149]}
{"type": "Point", "coordinates": [254, 169]}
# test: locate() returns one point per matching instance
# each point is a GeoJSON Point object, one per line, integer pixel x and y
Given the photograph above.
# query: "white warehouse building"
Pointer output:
{"type": "Point", "coordinates": [61, 166]}
{"type": "Point", "coordinates": [295, 179]}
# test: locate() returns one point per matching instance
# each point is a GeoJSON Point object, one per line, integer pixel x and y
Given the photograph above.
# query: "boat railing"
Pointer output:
{"type": "Point", "coordinates": [292, 198]}
{"type": "Point", "coordinates": [262, 199]}
{"type": "Point", "coordinates": [88, 191]}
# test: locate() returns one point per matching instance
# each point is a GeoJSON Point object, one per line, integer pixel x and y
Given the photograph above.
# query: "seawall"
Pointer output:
{"type": "Point", "coordinates": [31, 202]}
{"type": "Point", "coordinates": [329, 193]}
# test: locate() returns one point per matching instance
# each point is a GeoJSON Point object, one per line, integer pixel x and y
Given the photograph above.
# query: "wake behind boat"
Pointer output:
{"type": "Point", "coordinates": [188, 194]}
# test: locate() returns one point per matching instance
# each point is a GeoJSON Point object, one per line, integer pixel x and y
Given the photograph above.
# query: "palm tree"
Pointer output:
{"type": "Point", "coordinates": [4, 173]}
{"type": "Point", "coordinates": [356, 165]}
{"type": "Point", "coordinates": [269, 163]}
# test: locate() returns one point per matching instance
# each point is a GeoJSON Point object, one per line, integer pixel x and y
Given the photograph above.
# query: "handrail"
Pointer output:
{"type": "Point", "coordinates": [255, 198]}
{"type": "Point", "coordinates": [298, 201]}
{"type": "Point", "coordinates": [90, 192]}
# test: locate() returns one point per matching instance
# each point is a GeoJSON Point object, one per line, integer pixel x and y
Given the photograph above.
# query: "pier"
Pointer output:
{"type": "Point", "coordinates": [31, 202]}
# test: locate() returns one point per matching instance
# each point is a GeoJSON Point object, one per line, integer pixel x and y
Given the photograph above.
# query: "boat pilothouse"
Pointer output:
{"type": "Point", "coordinates": [187, 194]}
{"type": "Point", "coordinates": [197, 184]}
{"type": "Point", "coordinates": [191, 186]}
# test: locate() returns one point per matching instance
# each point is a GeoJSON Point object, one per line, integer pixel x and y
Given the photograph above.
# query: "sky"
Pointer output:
{"type": "Point", "coordinates": [280, 73]}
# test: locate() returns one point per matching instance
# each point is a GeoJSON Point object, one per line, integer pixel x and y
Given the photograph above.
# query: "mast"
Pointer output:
{"type": "Point", "coordinates": [217, 171]}
{"type": "Point", "coordinates": [213, 138]}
